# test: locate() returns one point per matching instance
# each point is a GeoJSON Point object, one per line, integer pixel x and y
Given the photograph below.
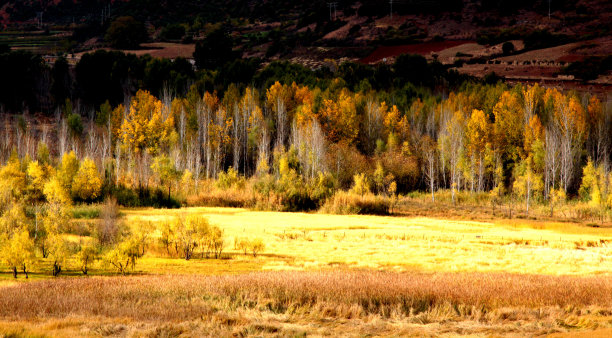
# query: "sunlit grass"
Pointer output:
{"type": "Point", "coordinates": [306, 241]}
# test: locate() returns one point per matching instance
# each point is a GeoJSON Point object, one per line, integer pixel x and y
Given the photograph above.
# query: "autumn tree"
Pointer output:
{"type": "Point", "coordinates": [361, 185]}
{"type": "Point", "coordinates": [87, 183]}
{"type": "Point", "coordinates": [451, 147]}
{"type": "Point", "coordinates": [17, 250]}
{"type": "Point", "coordinates": [508, 127]}
{"type": "Point", "coordinates": [339, 117]}
{"type": "Point", "coordinates": [190, 233]}
{"type": "Point", "coordinates": [68, 168]}
{"type": "Point", "coordinates": [146, 129]}
{"type": "Point", "coordinates": [12, 182]}
{"type": "Point", "coordinates": [86, 256]}
{"type": "Point", "coordinates": [165, 170]}
{"type": "Point", "coordinates": [477, 134]}
{"type": "Point", "coordinates": [124, 255]}
{"type": "Point", "coordinates": [596, 187]}
{"type": "Point", "coordinates": [570, 123]}
{"type": "Point", "coordinates": [429, 151]}
{"type": "Point", "coordinates": [58, 253]}
{"type": "Point", "coordinates": [527, 184]}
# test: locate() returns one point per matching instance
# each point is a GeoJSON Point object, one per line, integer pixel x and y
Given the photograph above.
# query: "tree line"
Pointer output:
{"type": "Point", "coordinates": [291, 147]}
{"type": "Point", "coordinates": [480, 138]}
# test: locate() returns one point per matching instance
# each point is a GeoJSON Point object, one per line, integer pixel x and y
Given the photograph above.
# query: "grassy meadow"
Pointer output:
{"type": "Point", "coordinates": [329, 275]}
{"type": "Point", "coordinates": [306, 241]}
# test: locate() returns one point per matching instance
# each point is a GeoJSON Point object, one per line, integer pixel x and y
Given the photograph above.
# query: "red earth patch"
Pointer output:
{"type": "Point", "coordinates": [419, 48]}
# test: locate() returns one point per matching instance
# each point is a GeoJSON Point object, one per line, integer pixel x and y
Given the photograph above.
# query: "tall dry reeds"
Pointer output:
{"type": "Point", "coordinates": [322, 294]}
{"type": "Point", "coordinates": [344, 203]}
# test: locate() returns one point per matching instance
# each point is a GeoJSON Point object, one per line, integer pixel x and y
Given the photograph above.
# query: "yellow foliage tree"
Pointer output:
{"type": "Point", "coordinates": [17, 251]}
{"type": "Point", "coordinates": [339, 118]}
{"type": "Point", "coordinates": [361, 185]}
{"type": "Point", "coordinates": [67, 170]}
{"type": "Point", "coordinates": [147, 125]}
{"type": "Point", "coordinates": [87, 182]}
{"type": "Point", "coordinates": [508, 126]}
{"type": "Point", "coordinates": [12, 182]}
{"type": "Point", "coordinates": [38, 175]}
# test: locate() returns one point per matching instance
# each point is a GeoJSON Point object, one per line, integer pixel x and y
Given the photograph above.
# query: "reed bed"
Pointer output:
{"type": "Point", "coordinates": [340, 303]}
{"type": "Point", "coordinates": [342, 294]}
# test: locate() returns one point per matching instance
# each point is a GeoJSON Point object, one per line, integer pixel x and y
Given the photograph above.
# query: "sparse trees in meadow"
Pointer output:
{"type": "Point", "coordinates": [252, 246]}
{"type": "Point", "coordinates": [85, 257]}
{"type": "Point", "coordinates": [17, 251]}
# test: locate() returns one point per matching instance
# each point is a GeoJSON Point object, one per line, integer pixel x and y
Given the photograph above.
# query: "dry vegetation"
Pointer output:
{"type": "Point", "coordinates": [297, 303]}
{"type": "Point", "coordinates": [360, 275]}
{"type": "Point", "coordinates": [303, 241]}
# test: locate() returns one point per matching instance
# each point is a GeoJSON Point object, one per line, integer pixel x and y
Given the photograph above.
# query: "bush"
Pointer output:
{"type": "Point", "coordinates": [348, 203]}
{"type": "Point", "coordinates": [253, 246]}
{"type": "Point", "coordinates": [229, 179]}
{"type": "Point", "coordinates": [126, 32]}
{"type": "Point", "coordinates": [507, 48]}
{"type": "Point", "coordinates": [86, 211]}
{"type": "Point", "coordinates": [173, 32]}
{"type": "Point", "coordinates": [155, 198]}
{"type": "Point", "coordinates": [108, 230]}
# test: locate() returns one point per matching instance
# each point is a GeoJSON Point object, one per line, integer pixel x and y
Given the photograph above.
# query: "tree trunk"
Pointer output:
{"type": "Point", "coordinates": [25, 271]}
{"type": "Point", "coordinates": [14, 272]}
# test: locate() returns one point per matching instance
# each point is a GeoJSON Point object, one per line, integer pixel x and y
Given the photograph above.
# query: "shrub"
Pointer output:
{"type": "Point", "coordinates": [253, 246]}
{"type": "Point", "coordinates": [256, 246]}
{"type": "Point", "coordinates": [107, 230]}
{"type": "Point", "coordinates": [126, 32]}
{"type": "Point", "coordinates": [507, 48]}
{"type": "Point", "coordinates": [124, 255]}
{"type": "Point", "coordinates": [229, 179]}
{"type": "Point", "coordinates": [173, 32]}
{"type": "Point", "coordinates": [350, 203]}
{"type": "Point", "coordinates": [155, 198]}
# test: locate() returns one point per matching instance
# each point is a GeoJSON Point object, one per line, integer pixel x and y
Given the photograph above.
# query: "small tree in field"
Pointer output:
{"type": "Point", "coordinates": [58, 253]}
{"type": "Point", "coordinates": [242, 244]}
{"type": "Point", "coordinates": [124, 255]}
{"type": "Point", "coordinates": [191, 233]}
{"type": "Point", "coordinates": [257, 246]}
{"type": "Point", "coordinates": [215, 242]}
{"type": "Point", "coordinates": [86, 256]}
{"type": "Point", "coordinates": [393, 194]}
{"type": "Point", "coordinates": [17, 251]}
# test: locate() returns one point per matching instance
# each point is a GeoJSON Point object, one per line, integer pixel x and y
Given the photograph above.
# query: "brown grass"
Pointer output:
{"type": "Point", "coordinates": [345, 300]}
{"type": "Point", "coordinates": [348, 203]}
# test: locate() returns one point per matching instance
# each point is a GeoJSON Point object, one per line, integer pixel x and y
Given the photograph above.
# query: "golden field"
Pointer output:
{"type": "Point", "coordinates": [305, 241]}
{"type": "Point", "coordinates": [334, 275]}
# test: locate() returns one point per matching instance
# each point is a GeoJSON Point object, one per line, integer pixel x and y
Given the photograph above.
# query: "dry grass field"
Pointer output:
{"type": "Point", "coordinates": [331, 275]}
{"type": "Point", "coordinates": [303, 241]}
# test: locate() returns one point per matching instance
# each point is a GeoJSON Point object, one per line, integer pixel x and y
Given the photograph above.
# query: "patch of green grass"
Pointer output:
{"type": "Point", "coordinates": [86, 211]}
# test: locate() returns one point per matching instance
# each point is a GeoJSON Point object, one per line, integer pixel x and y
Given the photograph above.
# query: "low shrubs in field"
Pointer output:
{"type": "Point", "coordinates": [252, 246]}
{"type": "Point", "coordinates": [144, 197]}
{"type": "Point", "coordinates": [186, 236]}
{"type": "Point", "coordinates": [86, 211]}
{"type": "Point", "coordinates": [214, 197]}
{"type": "Point", "coordinates": [349, 203]}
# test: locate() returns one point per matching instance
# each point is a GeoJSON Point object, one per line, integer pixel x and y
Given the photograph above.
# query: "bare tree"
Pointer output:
{"type": "Point", "coordinates": [309, 140]}
{"type": "Point", "coordinates": [552, 151]}
{"type": "Point", "coordinates": [281, 123]}
{"type": "Point", "coordinates": [428, 147]}
{"type": "Point", "coordinates": [374, 121]}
